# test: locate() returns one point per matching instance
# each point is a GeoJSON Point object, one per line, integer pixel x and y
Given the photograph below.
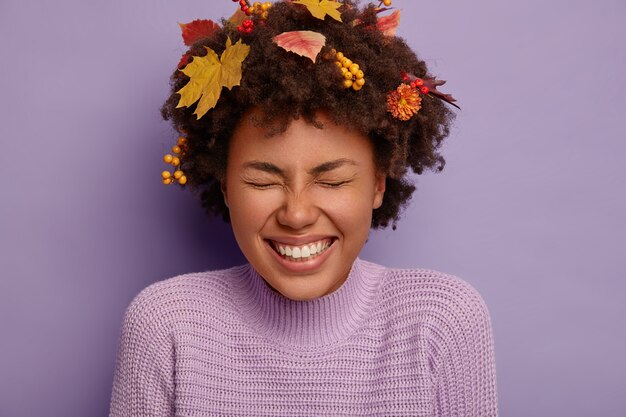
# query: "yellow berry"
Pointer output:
{"type": "Point", "coordinates": [166, 174]}
{"type": "Point", "coordinates": [354, 68]}
{"type": "Point", "coordinates": [182, 180]}
{"type": "Point", "coordinates": [175, 161]}
{"type": "Point", "coordinates": [346, 62]}
{"type": "Point", "coordinates": [256, 4]}
{"type": "Point", "coordinates": [356, 87]}
{"type": "Point", "coordinates": [339, 56]}
{"type": "Point", "coordinates": [178, 174]}
{"type": "Point", "coordinates": [167, 181]}
{"type": "Point", "coordinates": [359, 74]}
{"type": "Point", "coordinates": [264, 15]}
{"type": "Point", "coordinates": [168, 158]}
{"type": "Point", "coordinates": [265, 6]}
{"type": "Point", "coordinates": [360, 81]}
{"type": "Point", "coordinates": [339, 64]}
{"type": "Point", "coordinates": [176, 149]}
{"type": "Point", "coordinates": [347, 83]}
{"type": "Point", "coordinates": [343, 70]}
{"type": "Point", "coordinates": [387, 3]}
{"type": "Point", "coordinates": [347, 75]}
{"type": "Point", "coordinates": [182, 141]}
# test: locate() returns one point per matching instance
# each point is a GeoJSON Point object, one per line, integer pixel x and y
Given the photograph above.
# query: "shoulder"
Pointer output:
{"type": "Point", "coordinates": [164, 302]}
{"type": "Point", "coordinates": [435, 297]}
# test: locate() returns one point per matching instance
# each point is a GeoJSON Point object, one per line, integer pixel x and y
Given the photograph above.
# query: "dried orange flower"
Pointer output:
{"type": "Point", "coordinates": [404, 102]}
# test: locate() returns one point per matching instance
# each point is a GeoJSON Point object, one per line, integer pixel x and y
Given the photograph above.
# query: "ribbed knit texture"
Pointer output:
{"type": "Point", "coordinates": [388, 342]}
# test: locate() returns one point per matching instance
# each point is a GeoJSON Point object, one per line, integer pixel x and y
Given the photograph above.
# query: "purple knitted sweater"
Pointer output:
{"type": "Point", "coordinates": [388, 342]}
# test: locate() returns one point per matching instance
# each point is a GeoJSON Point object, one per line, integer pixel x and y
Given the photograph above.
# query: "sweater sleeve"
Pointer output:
{"type": "Point", "coordinates": [143, 382]}
{"type": "Point", "coordinates": [463, 356]}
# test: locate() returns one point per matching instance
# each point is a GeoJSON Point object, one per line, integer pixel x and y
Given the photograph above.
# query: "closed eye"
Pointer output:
{"type": "Point", "coordinates": [261, 185]}
{"type": "Point", "coordinates": [333, 184]}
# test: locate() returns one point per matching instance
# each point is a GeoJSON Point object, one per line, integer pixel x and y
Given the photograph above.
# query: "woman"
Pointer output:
{"type": "Point", "coordinates": [308, 145]}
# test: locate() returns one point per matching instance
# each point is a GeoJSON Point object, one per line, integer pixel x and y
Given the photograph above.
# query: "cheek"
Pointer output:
{"type": "Point", "coordinates": [251, 209]}
{"type": "Point", "coordinates": [350, 211]}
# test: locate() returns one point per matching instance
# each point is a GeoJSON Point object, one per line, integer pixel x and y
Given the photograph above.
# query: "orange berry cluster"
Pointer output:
{"type": "Point", "coordinates": [259, 9]}
{"type": "Point", "coordinates": [387, 3]}
{"type": "Point", "coordinates": [178, 150]}
{"type": "Point", "coordinates": [352, 74]}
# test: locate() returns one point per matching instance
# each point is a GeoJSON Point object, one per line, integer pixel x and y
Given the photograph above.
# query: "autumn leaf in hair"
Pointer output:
{"type": "Point", "coordinates": [389, 24]}
{"type": "Point", "coordinates": [302, 42]}
{"type": "Point", "coordinates": [321, 8]}
{"type": "Point", "coordinates": [208, 74]}
{"type": "Point", "coordinates": [237, 18]}
{"type": "Point", "coordinates": [198, 29]}
{"type": "Point", "coordinates": [429, 86]}
{"type": "Point", "coordinates": [432, 84]}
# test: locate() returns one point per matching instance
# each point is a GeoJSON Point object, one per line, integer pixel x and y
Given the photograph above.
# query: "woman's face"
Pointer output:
{"type": "Point", "coordinates": [301, 203]}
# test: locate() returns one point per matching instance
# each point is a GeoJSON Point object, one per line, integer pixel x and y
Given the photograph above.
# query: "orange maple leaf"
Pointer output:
{"type": "Point", "coordinates": [198, 29]}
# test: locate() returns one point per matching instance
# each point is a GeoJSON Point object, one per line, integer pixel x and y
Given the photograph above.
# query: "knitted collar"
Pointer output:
{"type": "Point", "coordinates": [322, 321]}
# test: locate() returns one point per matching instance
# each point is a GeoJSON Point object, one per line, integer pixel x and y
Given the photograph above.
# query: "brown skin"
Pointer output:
{"type": "Point", "coordinates": [284, 86]}
{"type": "Point", "coordinates": [283, 191]}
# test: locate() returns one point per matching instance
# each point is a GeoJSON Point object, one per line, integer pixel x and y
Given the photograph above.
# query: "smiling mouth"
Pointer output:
{"type": "Point", "coordinates": [301, 253]}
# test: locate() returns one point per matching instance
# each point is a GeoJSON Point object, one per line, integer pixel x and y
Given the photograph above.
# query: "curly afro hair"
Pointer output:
{"type": "Point", "coordinates": [285, 87]}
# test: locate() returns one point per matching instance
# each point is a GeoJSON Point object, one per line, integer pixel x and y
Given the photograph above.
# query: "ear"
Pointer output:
{"type": "Point", "coordinates": [224, 193]}
{"type": "Point", "coordinates": [379, 191]}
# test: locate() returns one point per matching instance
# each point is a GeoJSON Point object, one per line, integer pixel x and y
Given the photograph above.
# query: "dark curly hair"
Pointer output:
{"type": "Point", "coordinates": [285, 86]}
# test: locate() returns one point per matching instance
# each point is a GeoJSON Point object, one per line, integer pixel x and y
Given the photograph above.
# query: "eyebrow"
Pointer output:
{"type": "Point", "coordinates": [325, 167]}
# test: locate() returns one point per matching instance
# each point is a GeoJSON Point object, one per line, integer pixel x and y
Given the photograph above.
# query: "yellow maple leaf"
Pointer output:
{"type": "Point", "coordinates": [209, 74]}
{"type": "Point", "coordinates": [321, 8]}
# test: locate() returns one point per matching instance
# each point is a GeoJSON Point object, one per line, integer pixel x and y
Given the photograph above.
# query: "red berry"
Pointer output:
{"type": "Point", "coordinates": [405, 77]}
{"type": "Point", "coordinates": [419, 81]}
{"type": "Point", "coordinates": [240, 28]}
{"type": "Point", "coordinates": [243, 3]}
{"type": "Point", "coordinates": [424, 90]}
{"type": "Point", "coordinates": [413, 84]}
{"type": "Point", "coordinates": [248, 30]}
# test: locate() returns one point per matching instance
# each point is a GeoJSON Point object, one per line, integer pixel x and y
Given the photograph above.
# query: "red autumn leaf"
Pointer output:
{"type": "Point", "coordinates": [198, 29]}
{"type": "Point", "coordinates": [389, 24]}
{"type": "Point", "coordinates": [302, 42]}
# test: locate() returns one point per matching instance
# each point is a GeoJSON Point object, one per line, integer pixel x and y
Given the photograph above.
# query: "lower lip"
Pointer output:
{"type": "Point", "coordinates": [301, 266]}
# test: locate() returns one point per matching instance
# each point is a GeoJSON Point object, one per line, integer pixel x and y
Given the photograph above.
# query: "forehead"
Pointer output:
{"type": "Point", "coordinates": [301, 145]}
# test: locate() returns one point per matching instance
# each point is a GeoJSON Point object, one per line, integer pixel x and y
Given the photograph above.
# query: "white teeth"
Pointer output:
{"type": "Point", "coordinates": [302, 252]}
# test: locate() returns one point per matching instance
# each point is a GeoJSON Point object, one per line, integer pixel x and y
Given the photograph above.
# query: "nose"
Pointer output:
{"type": "Point", "coordinates": [298, 211]}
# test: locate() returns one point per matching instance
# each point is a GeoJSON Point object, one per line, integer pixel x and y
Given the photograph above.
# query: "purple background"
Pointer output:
{"type": "Point", "coordinates": [530, 208]}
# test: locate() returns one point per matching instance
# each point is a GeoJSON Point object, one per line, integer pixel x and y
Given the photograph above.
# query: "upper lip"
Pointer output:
{"type": "Point", "coordinates": [299, 240]}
